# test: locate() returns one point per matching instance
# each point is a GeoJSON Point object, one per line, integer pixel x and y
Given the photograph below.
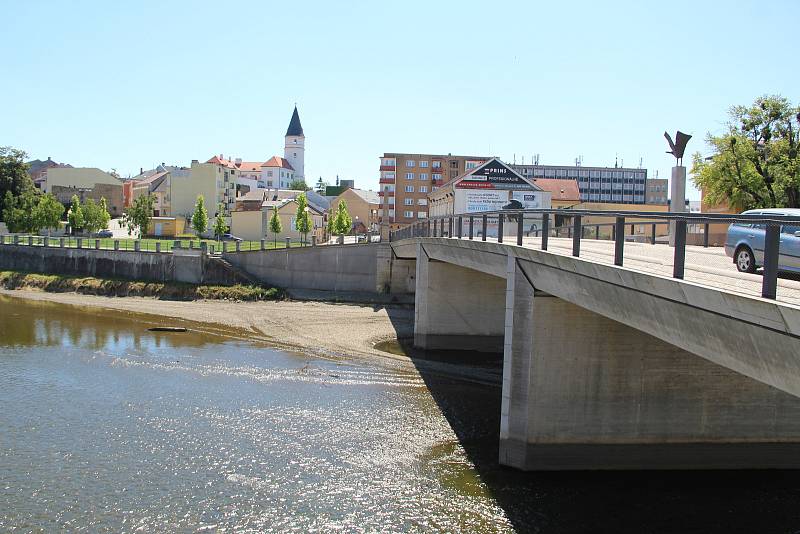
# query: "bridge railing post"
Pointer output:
{"type": "Point", "coordinates": [619, 240]}
{"type": "Point", "coordinates": [769, 285]}
{"type": "Point", "coordinates": [460, 227]}
{"type": "Point", "coordinates": [653, 234]}
{"type": "Point", "coordinates": [577, 232]}
{"type": "Point", "coordinates": [597, 231]}
{"type": "Point", "coordinates": [545, 229]}
{"type": "Point", "coordinates": [705, 235]}
{"type": "Point", "coordinates": [520, 227]}
{"type": "Point", "coordinates": [679, 261]}
{"type": "Point", "coordinates": [471, 225]}
{"type": "Point", "coordinates": [449, 227]}
{"type": "Point", "coordinates": [428, 231]}
{"type": "Point", "coordinates": [500, 228]}
{"type": "Point", "coordinates": [485, 224]}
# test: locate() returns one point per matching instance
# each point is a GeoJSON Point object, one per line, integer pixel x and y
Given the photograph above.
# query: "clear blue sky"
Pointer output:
{"type": "Point", "coordinates": [129, 84]}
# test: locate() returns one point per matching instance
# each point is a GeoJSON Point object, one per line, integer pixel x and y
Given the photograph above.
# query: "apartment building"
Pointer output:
{"type": "Point", "coordinates": [407, 179]}
{"type": "Point", "coordinates": [657, 191]}
{"type": "Point", "coordinates": [619, 185]}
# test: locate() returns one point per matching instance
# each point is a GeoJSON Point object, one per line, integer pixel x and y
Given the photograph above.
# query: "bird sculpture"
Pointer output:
{"type": "Point", "coordinates": [679, 146]}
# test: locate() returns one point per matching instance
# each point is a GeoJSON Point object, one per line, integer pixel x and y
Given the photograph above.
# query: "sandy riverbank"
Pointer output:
{"type": "Point", "coordinates": [342, 329]}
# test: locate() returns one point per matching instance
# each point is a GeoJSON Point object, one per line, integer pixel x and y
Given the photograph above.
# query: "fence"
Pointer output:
{"type": "Point", "coordinates": [537, 228]}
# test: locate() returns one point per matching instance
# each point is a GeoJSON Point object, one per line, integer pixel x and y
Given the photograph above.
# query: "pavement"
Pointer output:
{"type": "Point", "coordinates": [709, 267]}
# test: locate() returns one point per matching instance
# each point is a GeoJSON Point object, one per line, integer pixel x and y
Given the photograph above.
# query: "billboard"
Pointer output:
{"type": "Point", "coordinates": [485, 200]}
{"type": "Point", "coordinates": [493, 175]}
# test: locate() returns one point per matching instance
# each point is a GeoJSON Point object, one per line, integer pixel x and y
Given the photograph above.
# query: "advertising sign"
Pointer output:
{"type": "Point", "coordinates": [491, 200]}
{"type": "Point", "coordinates": [530, 200]}
{"type": "Point", "coordinates": [493, 175]}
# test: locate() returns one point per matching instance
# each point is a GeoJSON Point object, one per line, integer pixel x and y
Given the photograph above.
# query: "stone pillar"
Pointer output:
{"type": "Point", "coordinates": [238, 246]}
{"type": "Point", "coordinates": [677, 188]}
{"type": "Point", "coordinates": [137, 245]}
{"type": "Point", "coordinates": [16, 240]}
{"type": "Point", "coordinates": [203, 248]}
{"type": "Point", "coordinates": [46, 241]}
{"type": "Point", "coordinates": [263, 244]}
{"type": "Point", "coordinates": [61, 242]}
{"type": "Point", "coordinates": [116, 244]}
{"type": "Point", "coordinates": [97, 244]}
{"type": "Point", "coordinates": [30, 240]}
{"type": "Point", "coordinates": [158, 246]}
{"type": "Point", "coordinates": [457, 308]}
{"type": "Point", "coordinates": [313, 240]}
{"type": "Point", "coordinates": [80, 242]}
{"type": "Point", "coordinates": [288, 242]}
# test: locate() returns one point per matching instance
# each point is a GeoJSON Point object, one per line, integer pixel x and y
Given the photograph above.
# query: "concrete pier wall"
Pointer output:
{"type": "Point", "coordinates": [456, 307]}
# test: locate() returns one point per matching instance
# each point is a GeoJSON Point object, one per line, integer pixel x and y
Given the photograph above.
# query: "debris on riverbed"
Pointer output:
{"type": "Point", "coordinates": [167, 329]}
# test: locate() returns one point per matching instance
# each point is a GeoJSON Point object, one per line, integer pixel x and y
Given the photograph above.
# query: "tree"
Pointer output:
{"type": "Point", "coordinates": [18, 211]}
{"type": "Point", "coordinates": [95, 216]}
{"type": "Point", "coordinates": [343, 223]}
{"type": "Point", "coordinates": [47, 213]}
{"type": "Point", "coordinates": [200, 216]}
{"type": "Point", "coordinates": [137, 217]}
{"type": "Point", "coordinates": [14, 172]}
{"type": "Point", "coordinates": [275, 225]}
{"type": "Point", "coordinates": [75, 214]}
{"type": "Point", "coordinates": [302, 219]}
{"type": "Point", "coordinates": [220, 227]}
{"type": "Point", "coordinates": [331, 223]}
{"type": "Point", "coordinates": [298, 185]}
{"type": "Point", "coordinates": [755, 163]}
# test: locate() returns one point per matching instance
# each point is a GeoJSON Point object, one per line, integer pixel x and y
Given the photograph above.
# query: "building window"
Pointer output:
{"type": "Point", "coordinates": [294, 154]}
{"type": "Point", "coordinates": [408, 214]}
{"type": "Point", "coordinates": [423, 164]}
{"type": "Point", "coordinates": [453, 163]}
{"type": "Point", "coordinates": [437, 176]}
{"type": "Point", "coordinates": [409, 189]}
{"type": "Point", "coordinates": [410, 163]}
{"type": "Point", "coordinates": [423, 176]}
{"type": "Point", "coordinates": [408, 201]}
{"type": "Point", "coordinates": [436, 165]}
{"type": "Point", "coordinates": [422, 201]}
{"type": "Point", "coordinates": [423, 189]}
{"type": "Point", "coordinates": [409, 176]}
{"type": "Point", "coordinates": [421, 215]}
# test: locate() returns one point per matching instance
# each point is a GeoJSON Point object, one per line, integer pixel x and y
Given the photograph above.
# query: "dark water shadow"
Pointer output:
{"type": "Point", "coordinates": [751, 501]}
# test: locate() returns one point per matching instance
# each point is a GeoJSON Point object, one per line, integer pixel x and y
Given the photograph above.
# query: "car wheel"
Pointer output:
{"type": "Point", "coordinates": [745, 261]}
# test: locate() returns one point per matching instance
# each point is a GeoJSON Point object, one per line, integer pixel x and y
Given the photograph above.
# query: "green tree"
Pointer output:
{"type": "Point", "coordinates": [75, 214]}
{"type": "Point", "coordinates": [343, 223]}
{"type": "Point", "coordinates": [200, 216]}
{"type": "Point", "coordinates": [302, 219]}
{"type": "Point", "coordinates": [95, 216]}
{"type": "Point", "coordinates": [220, 227]}
{"type": "Point", "coordinates": [14, 172]}
{"type": "Point", "coordinates": [275, 225]}
{"type": "Point", "coordinates": [298, 185]}
{"type": "Point", "coordinates": [137, 217]}
{"type": "Point", "coordinates": [18, 211]}
{"type": "Point", "coordinates": [755, 163]}
{"type": "Point", "coordinates": [331, 223]}
{"type": "Point", "coordinates": [47, 213]}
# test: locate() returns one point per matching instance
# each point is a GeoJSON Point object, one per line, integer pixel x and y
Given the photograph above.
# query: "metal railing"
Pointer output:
{"type": "Point", "coordinates": [539, 223]}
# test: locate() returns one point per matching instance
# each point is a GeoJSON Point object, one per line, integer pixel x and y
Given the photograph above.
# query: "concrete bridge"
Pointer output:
{"type": "Point", "coordinates": [609, 367]}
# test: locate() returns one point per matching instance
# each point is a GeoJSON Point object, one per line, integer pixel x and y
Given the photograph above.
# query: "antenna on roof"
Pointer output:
{"type": "Point", "coordinates": [515, 158]}
{"type": "Point", "coordinates": [640, 161]}
{"type": "Point", "coordinates": [616, 161]}
{"type": "Point", "coordinates": [536, 159]}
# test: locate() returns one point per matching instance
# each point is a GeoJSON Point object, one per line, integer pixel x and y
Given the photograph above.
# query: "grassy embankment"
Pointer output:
{"type": "Point", "coordinates": [149, 244]}
{"type": "Point", "coordinates": [56, 283]}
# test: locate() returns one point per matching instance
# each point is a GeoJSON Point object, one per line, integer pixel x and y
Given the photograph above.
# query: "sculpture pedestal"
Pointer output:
{"type": "Point", "coordinates": [677, 203]}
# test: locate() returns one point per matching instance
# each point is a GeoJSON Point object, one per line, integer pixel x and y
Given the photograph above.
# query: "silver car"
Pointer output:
{"type": "Point", "coordinates": [745, 242]}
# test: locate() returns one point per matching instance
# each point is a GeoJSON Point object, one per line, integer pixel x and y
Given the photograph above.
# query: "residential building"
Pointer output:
{"type": "Point", "coordinates": [86, 183]}
{"type": "Point", "coordinates": [215, 182]}
{"type": "Point", "coordinates": [363, 207]}
{"type": "Point", "coordinates": [251, 220]}
{"type": "Point", "coordinates": [657, 191]}
{"type": "Point", "coordinates": [563, 193]}
{"type": "Point", "coordinates": [159, 186]}
{"type": "Point", "coordinates": [407, 179]}
{"type": "Point", "coordinates": [37, 170]}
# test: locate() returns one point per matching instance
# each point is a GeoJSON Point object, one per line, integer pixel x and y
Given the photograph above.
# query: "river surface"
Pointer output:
{"type": "Point", "coordinates": [107, 427]}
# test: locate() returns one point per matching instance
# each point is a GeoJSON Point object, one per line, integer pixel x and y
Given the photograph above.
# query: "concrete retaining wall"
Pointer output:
{"type": "Point", "coordinates": [190, 267]}
{"type": "Point", "coordinates": [336, 268]}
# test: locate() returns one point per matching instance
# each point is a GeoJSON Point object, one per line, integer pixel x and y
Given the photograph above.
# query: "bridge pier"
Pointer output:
{"type": "Point", "coordinates": [581, 391]}
{"type": "Point", "coordinates": [457, 308]}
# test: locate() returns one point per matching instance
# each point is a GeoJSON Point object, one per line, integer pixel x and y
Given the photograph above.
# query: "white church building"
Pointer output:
{"type": "Point", "coordinates": [276, 172]}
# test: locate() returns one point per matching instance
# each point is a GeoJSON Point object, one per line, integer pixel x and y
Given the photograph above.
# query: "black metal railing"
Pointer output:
{"type": "Point", "coordinates": [547, 223]}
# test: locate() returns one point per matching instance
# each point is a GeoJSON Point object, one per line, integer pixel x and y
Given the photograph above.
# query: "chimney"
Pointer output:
{"type": "Point", "coordinates": [238, 161]}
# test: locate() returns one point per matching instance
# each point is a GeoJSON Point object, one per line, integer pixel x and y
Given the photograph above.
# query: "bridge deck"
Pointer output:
{"type": "Point", "coordinates": [705, 266]}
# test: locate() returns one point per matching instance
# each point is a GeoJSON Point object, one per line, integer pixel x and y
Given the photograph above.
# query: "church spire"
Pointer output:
{"type": "Point", "coordinates": [295, 128]}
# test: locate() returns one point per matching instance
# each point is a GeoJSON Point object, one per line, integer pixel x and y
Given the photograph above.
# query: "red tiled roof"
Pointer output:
{"type": "Point", "coordinates": [560, 189]}
{"type": "Point", "coordinates": [277, 161]}
{"type": "Point", "coordinates": [251, 166]}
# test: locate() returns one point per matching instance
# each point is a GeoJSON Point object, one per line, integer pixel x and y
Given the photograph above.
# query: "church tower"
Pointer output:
{"type": "Point", "coordinates": [295, 147]}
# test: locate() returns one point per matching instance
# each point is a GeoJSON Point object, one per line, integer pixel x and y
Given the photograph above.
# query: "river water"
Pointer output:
{"type": "Point", "coordinates": [107, 427]}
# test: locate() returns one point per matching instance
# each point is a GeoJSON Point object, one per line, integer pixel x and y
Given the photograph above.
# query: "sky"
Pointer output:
{"type": "Point", "coordinates": [125, 85]}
